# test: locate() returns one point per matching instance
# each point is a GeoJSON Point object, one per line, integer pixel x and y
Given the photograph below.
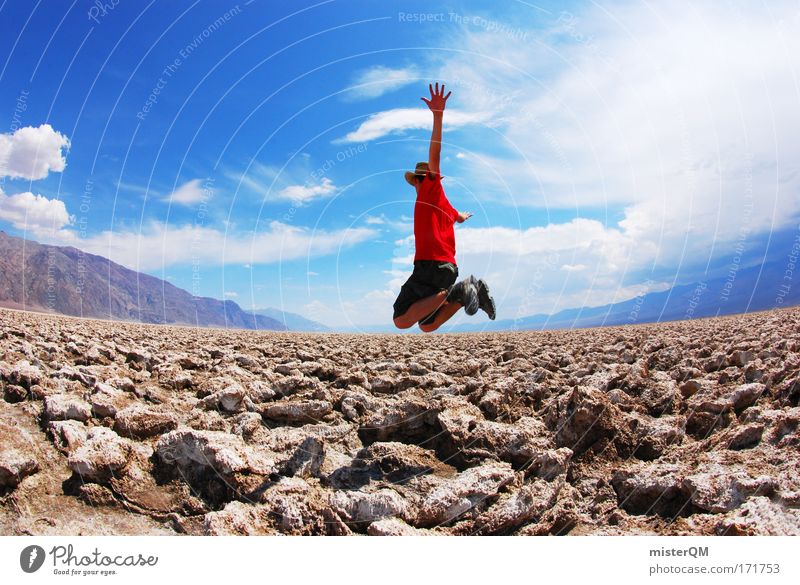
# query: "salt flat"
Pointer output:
{"type": "Point", "coordinates": [674, 428]}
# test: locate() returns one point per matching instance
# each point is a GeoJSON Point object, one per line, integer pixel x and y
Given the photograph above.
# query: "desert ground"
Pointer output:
{"type": "Point", "coordinates": [673, 428]}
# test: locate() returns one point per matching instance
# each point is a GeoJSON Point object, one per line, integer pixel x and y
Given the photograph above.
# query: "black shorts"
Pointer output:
{"type": "Point", "coordinates": [429, 277]}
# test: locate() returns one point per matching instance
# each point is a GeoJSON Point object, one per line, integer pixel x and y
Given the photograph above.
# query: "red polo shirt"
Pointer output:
{"type": "Point", "coordinates": [433, 222]}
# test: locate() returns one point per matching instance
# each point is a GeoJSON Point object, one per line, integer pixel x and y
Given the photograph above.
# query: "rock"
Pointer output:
{"type": "Point", "coordinates": [240, 519]}
{"type": "Point", "coordinates": [103, 455]}
{"type": "Point", "coordinates": [140, 357]}
{"type": "Point", "coordinates": [141, 422]}
{"type": "Point", "coordinates": [669, 490]}
{"type": "Point", "coordinates": [123, 383]}
{"type": "Point", "coordinates": [68, 435]}
{"type": "Point", "coordinates": [473, 439]}
{"type": "Point", "coordinates": [745, 436]}
{"type": "Point", "coordinates": [246, 423]}
{"type": "Point", "coordinates": [107, 400]}
{"type": "Point", "coordinates": [399, 462]}
{"type": "Point", "coordinates": [222, 452]}
{"type": "Point", "coordinates": [295, 411]}
{"type": "Point", "coordinates": [584, 417]}
{"type": "Point", "coordinates": [745, 395]}
{"type": "Point", "coordinates": [96, 495]}
{"type": "Point", "coordinates": [653, 436]}
{"type": "Point", "coordinates": [13, 393]}
{"type": "Point", "coordinates": [701, 424]}
{"type": "Point", "coordinates": [229, 399]}
{"type": "Point", "coordinates": [469, 492]}
{"type": "Point", "coordinates": [719, 487]}
{"type": "Point", "coordinates": [550, 464]}
{"type": "Point", "coordinates": [690, 388]}
{"type": "Point", "coordinates": [659, 395]}
{"type": "Point", "coordinates": [685, 428]}
{"type": "Point", "coordinates": [524, 505]}
{"type": "Point", "coordinates": [408, 421]}
{"type": "Point", "coordinates": [299, 509]}
{"type": "Point", "coordinates": [307, 460]}
{"type": "Point", "coordinates": [394, 527]}
{"type": "Point", "coordinates": [259, 391]}
{"type": "Point", "coordinates": [66, 407]}
{"type": "Point", "coordinates": [80, 374]}
{"type": "Point", "coordinates": [357, 506]}
{"type": "Point", "coordinates": [718, 400]}
{"type": "Point", "coordinates": [188, 362]}
{"type": "Point", "coordinates": [182, 381]}
{"type": "Point", "coordinates": [740, 358]}
{"type": "Point", "coordinates": [491, 404]}
{"type": "Point", "coordinates": [654, 489]}
{"type": "Point", "coordinates": [247, 361]}
{"type": "Point", "coordinates": [760, 516]}
{"type": "Point", "coordinates": [18, 455]}
{"type": "Point", "coordinates": [24, 374]}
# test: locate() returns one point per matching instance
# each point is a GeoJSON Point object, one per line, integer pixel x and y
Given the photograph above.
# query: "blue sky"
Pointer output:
{"type": "Point", "coordinates": [255, 151]}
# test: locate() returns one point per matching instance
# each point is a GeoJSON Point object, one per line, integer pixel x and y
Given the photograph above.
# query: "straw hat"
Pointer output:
{"type": "Point", "coordinates": [421, 170]}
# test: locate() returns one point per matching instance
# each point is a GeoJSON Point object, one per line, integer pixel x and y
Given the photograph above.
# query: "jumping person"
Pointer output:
{"type": "Point", "coordinates": [429, 296]}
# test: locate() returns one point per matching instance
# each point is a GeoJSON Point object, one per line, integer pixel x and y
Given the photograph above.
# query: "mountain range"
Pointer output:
{"type": "Point", "coordinates": [755, 288]}
{"type": "Point", "coordinates": [66, 280]}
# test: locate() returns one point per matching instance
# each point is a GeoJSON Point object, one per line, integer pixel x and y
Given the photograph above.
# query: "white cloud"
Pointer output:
{"type": "Point", "coordinates": [304, 193]}
{"type": "Point", "coordinates": [404, 224]}
{"type": "Point", "coordinates": [189, 193]}
{"type": "Point", "coordinates": [622, 113]}
{"type": "Point", "coordinates": [376, 81]}
{"type": "Point", "coordinates": [156, 246]}
{"type": "Point", "coordinates": [284, 184]}
{"type": "Point", "coordinates": [660, 115]}
{"type": "Point", "coordinates": [230, 294]}
{"type": "Point", "coordinates": [31, 153]}
{"type": "Point", "coordinates": [34, 213]}
{"type": "Point", "coordinates": [401, 119]}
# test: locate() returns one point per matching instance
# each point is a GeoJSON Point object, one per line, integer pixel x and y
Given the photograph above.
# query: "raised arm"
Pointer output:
{"type": "Point", "coordinates": [436, 105]}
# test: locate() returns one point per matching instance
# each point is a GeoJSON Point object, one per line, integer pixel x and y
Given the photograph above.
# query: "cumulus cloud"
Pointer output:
{"type": "Point", "coordinates": [156, 246]}
{"type": "Point", "coordinates": [401, 119]}
{"type": "Point", "coordinates": [683, 134]}
{"type": "Point", "coordinates": [307, 192]}
{"type": "Point", "coordinates": [189, 193]}
{"type": "Point", "coordinates": [34, 213]}
{"type": "Point", "coordinates": [31, 153]}
{"type": "Point", "coordinates": [658, 117]}
{"type": "Point", "coordinates": [285, 184]}
{"type": "Point", "coordinates": [379, 80]}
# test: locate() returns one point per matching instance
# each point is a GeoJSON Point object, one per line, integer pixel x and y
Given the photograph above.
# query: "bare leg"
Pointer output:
{"type": "Point", "coordinates": [421, 309]}
{"type": "Point", "coordinates": [444, 314]}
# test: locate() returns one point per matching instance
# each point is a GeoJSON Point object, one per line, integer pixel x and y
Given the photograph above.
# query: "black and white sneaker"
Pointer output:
{"type": "Point", "coordinates": [485, 300]}
{"type": "Point", "coordinates": [466, 294]}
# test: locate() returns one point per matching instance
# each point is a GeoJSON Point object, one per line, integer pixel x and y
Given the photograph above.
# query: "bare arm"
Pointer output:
{"type": "Point", "coordinates": [436, 104]}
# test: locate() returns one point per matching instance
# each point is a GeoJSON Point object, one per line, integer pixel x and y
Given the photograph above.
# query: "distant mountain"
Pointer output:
{"type": "Point", "coordinates": [757, 288]}
{"type": "Point", "coordinates": [293, 321]}
{"type": "Point", "coordinates": [750, 289]}
{"type": "Point", "coordinates": [66, 280]}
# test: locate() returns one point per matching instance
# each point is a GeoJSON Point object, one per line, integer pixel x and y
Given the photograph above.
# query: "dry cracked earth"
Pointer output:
{"type": "Point", "coordinates": [673, 428]}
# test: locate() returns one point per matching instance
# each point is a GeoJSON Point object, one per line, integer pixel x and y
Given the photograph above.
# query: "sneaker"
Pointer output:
{"type": "Point", "coordinates": [485, 299]}
{"type": "Point", "coordinates": [466, 294]}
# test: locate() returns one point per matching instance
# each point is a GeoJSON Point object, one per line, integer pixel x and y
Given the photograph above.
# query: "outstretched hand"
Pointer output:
{"type": "Point", "coordinates": [438, 99]}
{"type": "Point", "coordinates": [463, 216]}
